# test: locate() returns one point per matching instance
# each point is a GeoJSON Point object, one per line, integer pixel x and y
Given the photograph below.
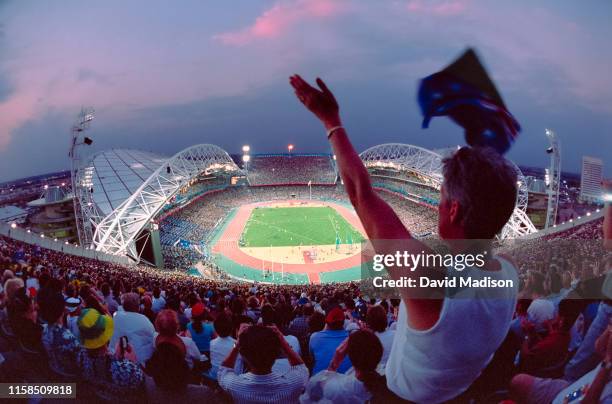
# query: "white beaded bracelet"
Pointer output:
{"type": "Point", "coordinates": [332, 130]}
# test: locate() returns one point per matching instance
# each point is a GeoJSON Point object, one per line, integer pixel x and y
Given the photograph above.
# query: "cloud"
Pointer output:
{"type": "Point", "coordinates": [438, 8]}
{"type": "Point", "coordinates": [277, 20]}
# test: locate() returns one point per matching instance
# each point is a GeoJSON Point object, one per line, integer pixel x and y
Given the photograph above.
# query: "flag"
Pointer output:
{"type": "Point", "coordinates": [464, 92]}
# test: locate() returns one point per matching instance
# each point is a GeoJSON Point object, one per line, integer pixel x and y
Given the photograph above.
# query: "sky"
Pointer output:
{"type": "Point", "coordinates": [166, 75]}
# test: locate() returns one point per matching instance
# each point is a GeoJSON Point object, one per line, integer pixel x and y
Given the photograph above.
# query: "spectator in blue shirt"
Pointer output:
{"type": "Point", "coordinates": [323, 344]}
{"type": "Point", "coordinates": [199, 329]}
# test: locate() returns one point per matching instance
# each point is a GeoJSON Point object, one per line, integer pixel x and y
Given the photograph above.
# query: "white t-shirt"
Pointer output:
{"type": "Point", "coordinates": [139, 331]}
{"type": "Point", "coordinates": [219, 349]}
{"type": "Point", "coordinates": [281, 366]}
{"type": "Point", "coordinates": [386, 339]}
{"type": "Point", "coordinates": [439, 364]}
{"type": "Point", "coordinates": [337, 388]}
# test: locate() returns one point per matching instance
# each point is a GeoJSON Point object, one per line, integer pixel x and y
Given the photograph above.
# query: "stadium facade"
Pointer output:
{"type": "Point", "coordinates": [120, 193]}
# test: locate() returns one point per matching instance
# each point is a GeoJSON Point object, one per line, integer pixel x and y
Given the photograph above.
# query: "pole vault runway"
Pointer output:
{"type": "Point", "coordinates": [228, 243]}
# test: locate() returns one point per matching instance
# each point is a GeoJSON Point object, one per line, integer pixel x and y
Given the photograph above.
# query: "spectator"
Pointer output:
{"type": "Point", "coordinates": [539, 352]}
{"type": "Point", "coordinates": [112, 378]}
{"type": "Point", "coordinates": [147, 308]}
{"type": "Point", "coordinates": [299, 325]}
{"type": "Point", "coordinates": [159, 302]}
{"type": "Point", "coordinates": [200, 329]}
{"type": "Point", "coordinates": [364, 385]}
{"type": "Point", "coordinates": [597, 383]}
{"type": "Point", "coordinates": [135, 326]}
{"type": "Point", "coordinates": [61, 345]}
{"type": "Point", "coordinates": [259, 346]}
{"type": "Point", "coordinates": [323, 344]}
{"type": "Point", "coordinates": [468, 209]}
{"type": "Point", "coordinates": [23, 320]}
{"type": "Point", "coordinates": [376, 320]}
{"type": "Point", "coordinates": [171, 375]}
{"type": "Point", "coordinates": [109, 299]}
{"type": "Point", "coordinates": [73, 308]}
{"type": "Point", "coordinates": [221, 346]}
{"type": "Point", "coordinates": [167, 326]}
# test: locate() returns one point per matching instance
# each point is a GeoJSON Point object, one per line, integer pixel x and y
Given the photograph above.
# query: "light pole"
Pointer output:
{"type": "Point", "coordinates": [245, 156]}
{"type": "Point", "coordinates": [290, 148]}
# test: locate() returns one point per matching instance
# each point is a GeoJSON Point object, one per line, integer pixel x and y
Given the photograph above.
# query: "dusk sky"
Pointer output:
{"type": "Point", "coordinates": [166, 75]}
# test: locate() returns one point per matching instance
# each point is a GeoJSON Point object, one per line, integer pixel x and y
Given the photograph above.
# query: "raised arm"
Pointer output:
{"type": "Point", "coordinates": [378, 218]}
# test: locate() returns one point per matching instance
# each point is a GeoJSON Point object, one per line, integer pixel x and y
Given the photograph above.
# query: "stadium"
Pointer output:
{"type": "Point", "coordinates": [281, 218]}
{"type": "Point", "coordinates": [300, 202]}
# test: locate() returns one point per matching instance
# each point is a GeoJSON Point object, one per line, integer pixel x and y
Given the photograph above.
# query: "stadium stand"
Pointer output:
{"type": "Point", "coordinates": [70, 285]}
{"type": "Point", "coordinates": [291, 169]}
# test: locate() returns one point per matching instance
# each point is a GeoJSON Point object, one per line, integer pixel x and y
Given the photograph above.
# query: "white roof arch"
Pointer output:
{"type": "Point", "coordinates": [116, 233]}
{"type": "Point", "coordinates": [429, 164]}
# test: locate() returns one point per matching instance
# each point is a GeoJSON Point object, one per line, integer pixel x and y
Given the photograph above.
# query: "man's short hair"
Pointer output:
{"type": "Point", "coordinates": [377, 318]}
{"type": "Point", "coordinates": [167, 323]}
{"type": "Point", "coordinates": [131, 302]}
{"type": "Point", "coordinates": [223, 325]}
{"type": "Point", "coordinates": [484, 184]}
{"type": "Point", "coordinates": [51, 305]}
{"type": "Point", "coordinates": [260, 346]}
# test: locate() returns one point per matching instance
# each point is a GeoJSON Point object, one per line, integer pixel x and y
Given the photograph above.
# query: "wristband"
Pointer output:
{"type": "Point", "coordinates": [332, 130]}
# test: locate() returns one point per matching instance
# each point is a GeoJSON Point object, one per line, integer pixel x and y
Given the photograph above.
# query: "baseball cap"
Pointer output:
{"type": "Point", "coordinates": [335, 315]}
{"type": "Point", "coordinates": [197, 309]}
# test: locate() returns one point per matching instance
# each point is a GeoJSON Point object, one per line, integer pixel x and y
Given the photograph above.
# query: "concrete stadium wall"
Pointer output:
{"type": "Point", "coordinates": [35, 239]}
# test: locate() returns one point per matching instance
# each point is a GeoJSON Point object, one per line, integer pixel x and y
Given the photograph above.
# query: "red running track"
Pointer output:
{"type": "Point", "coordinates": [227, 244]}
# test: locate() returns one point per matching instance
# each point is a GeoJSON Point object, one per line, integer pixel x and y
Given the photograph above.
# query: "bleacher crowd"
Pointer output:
{"type": "Point", "coordinates": [63, 319]}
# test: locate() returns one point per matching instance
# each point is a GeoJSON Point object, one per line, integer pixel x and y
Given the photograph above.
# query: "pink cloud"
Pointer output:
{"type": "Point", "coordinates": [278, 19]}
{"type": "Point", "coordinates": [442, 9]}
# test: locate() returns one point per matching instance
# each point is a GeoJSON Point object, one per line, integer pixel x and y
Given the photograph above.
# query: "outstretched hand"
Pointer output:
{"type": "Point", "coordinates": [321, 102]}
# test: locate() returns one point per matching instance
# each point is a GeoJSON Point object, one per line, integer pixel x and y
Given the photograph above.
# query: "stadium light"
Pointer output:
{"type": "Point", "coordinates": [28, 230]}
{"type": "Point", "coordinates": [13, 225]}
{"type": "Point", "coordinates": [42, 235]}
{"type": "Point", "coordinates": [46, 186]}
{"type": "Point", "coordinates": [246, 158]}
{"type": "Point", "coordinates": [334, 157]}
{"type": "Point", "coordinates": [246, 149]}
{"type": "Point", "coordinates": [588, 213]}
{"type": "Point", "coordinates": [290, 148]}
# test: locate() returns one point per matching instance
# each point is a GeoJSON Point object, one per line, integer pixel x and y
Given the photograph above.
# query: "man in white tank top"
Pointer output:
{"type": "Point", "coordinates": [441, 345]}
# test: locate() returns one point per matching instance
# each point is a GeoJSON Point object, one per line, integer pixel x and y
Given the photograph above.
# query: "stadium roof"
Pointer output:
{"type": "Point", "coordinates": [121, 191]}
{"type": "Point", "coordinates": [118, 174]}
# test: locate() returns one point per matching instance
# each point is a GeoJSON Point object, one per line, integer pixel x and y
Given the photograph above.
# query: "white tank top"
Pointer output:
{"type": "Point", "coordinates": [439, 364]}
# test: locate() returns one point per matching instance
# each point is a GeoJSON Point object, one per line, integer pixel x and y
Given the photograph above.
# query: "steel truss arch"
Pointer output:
{"type": "Point", "coordinates": [405, 157]}
{"type": "Point", "coordinates": [429, 164]}
{"type": "Point", "coordinates": [117, 232]}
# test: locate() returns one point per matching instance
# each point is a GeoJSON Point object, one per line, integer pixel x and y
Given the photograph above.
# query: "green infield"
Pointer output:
{"type": "Point", "coordinates": [281, 227]}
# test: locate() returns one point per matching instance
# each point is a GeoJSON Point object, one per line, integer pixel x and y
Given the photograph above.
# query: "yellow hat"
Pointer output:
{"type": "Point", "coordinates": [96, 329]}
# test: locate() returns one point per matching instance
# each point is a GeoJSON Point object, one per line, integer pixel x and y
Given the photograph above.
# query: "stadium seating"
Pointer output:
{"type": "Point", "coordinates": [291, 169]}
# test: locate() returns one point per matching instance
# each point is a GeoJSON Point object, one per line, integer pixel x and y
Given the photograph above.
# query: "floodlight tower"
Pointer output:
{"type": "Point", "coordinates": [81, 185]}
{"type": "Point", "coordinates": [245, 156]}
{"type": "Point", "coordinates": [553, 178]}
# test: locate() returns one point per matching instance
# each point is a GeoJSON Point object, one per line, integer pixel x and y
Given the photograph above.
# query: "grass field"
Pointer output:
{"type": "Point", "coordinates": [278, 227]}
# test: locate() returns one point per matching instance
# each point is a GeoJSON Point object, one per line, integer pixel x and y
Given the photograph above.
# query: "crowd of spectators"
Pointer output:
{"type": "Point", "coordinates": [63, 319]}
{"type": "Point", "coordinates": [291, 169]}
